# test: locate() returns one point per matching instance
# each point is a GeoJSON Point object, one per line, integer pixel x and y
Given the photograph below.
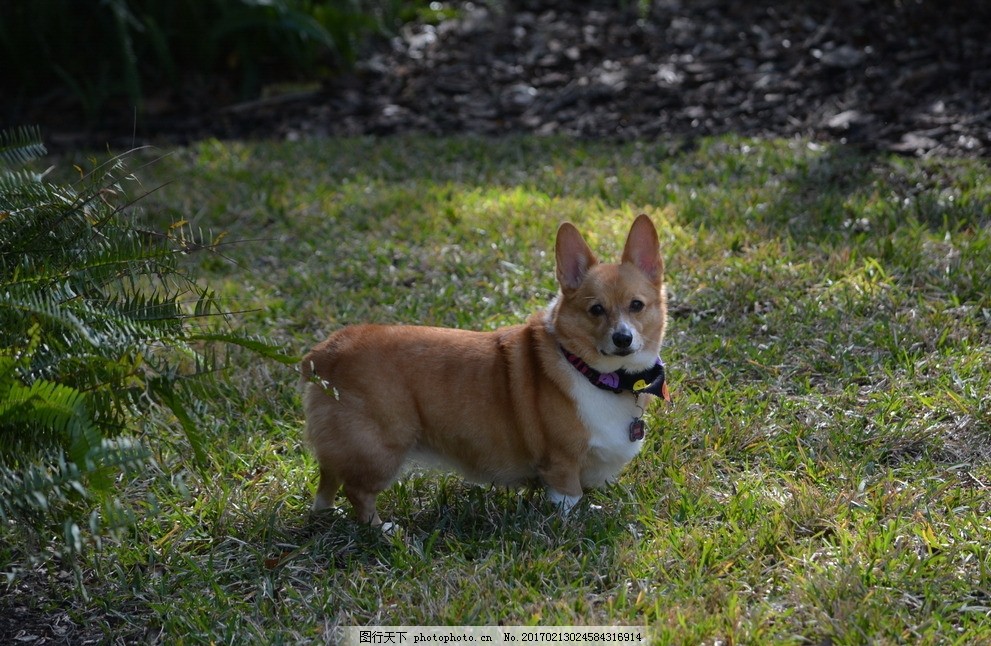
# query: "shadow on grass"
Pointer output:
{"type": "Point", "coordinates": [444, 506]}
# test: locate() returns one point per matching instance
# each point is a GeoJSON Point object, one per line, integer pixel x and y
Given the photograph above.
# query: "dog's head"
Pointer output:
{"type": "Point", "coordinates": [611, 315]}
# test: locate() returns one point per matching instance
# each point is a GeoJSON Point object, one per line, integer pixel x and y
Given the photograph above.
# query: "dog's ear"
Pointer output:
{"type": "Point", "coordinates": [644, 250]}
{"type": "Point", "coordinates": [574, 258]}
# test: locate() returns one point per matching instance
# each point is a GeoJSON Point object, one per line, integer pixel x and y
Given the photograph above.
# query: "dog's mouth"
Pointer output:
{"type": "Point", "coordinates": [617, 352]}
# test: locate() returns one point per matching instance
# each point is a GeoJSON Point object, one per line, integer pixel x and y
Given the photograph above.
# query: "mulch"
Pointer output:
{"type": "Point", "coordinates": [903, 76]}
{"type": "Point", "coordinates": [910, 76]}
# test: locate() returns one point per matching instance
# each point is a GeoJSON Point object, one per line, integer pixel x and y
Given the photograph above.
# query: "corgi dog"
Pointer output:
{"type": "Point", "coordinates": [558, 400]}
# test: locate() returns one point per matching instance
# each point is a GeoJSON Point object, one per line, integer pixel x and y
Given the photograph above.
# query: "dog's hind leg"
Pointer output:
{"type": "Point", "coordinates": [364, 505]}
{"type": "Point", "coordinates": [369, 473]}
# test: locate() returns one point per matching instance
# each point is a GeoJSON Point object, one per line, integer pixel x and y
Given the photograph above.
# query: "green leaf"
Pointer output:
{"type": "Point", "coordinates": [168, 395]}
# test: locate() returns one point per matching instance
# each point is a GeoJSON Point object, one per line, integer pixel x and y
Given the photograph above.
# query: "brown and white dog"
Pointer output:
{"type": "Point", "coordinates": [558, 400]}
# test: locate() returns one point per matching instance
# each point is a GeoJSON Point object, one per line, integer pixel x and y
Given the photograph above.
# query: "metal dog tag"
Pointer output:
{"type": "Point", "coordinates": [638, 428]}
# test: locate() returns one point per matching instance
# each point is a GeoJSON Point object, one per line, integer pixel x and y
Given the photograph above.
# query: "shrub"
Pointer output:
{"type": "Point", "coordinates": [100, 323]}
{"type": "Point", "coordinates": [116, 50]}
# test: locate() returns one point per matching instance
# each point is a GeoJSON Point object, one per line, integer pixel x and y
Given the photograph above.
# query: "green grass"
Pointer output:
{"type": "Point", "coordinates": [822, 476]}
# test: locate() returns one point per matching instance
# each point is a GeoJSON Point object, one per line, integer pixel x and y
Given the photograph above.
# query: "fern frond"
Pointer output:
{"type": "Point", "coordinates": [49, 410]}
{"type": "Point", "coordinates": [256, 344]}
{"type": "Point", "coordinates": [95, 328]}
{"type": "Point", "coordinates": [46, 405]}
{"type": "Point", "coordinates": [20, 187]}
{"type": "Point", "coordinates": [21, 145]}
{"type": "Point", "coordinates": [31, 489]}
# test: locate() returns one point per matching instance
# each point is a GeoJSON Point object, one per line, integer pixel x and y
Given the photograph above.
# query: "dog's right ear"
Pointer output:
{"type": "Point", "coordinates": [643, 249]}
{"type": "Point", "coordinates": [574, 258]}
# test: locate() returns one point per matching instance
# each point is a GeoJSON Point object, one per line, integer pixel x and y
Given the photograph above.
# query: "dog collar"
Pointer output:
{"type": "Point", "coordinates": [646, 381]}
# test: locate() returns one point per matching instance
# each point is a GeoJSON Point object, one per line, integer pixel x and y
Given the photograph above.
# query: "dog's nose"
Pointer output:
{"type": "Point", "coordinates": [622, 339]}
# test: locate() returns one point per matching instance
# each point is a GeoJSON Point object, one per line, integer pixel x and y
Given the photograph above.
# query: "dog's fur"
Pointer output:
{"type": "Point", "coordinates": [504, 407]}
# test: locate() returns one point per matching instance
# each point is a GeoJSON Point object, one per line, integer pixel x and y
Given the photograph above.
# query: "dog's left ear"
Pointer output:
{"type": "Point", "coordinates": [644, 250]}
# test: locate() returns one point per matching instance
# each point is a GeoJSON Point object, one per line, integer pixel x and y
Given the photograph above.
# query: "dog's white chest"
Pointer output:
{"type": "Point", "coordinates": [607, 416]}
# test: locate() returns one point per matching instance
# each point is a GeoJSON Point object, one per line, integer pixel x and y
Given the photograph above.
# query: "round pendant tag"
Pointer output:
{"type": "Point", "coordinates": [638, 428]}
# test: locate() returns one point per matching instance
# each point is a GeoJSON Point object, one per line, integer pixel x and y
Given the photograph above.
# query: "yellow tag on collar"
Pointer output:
{"type": "Point", "coordinates": [640, 385]}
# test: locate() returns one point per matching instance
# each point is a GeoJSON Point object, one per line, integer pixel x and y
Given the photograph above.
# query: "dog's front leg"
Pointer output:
{"type": "Point", "coordinates": [564, 487]}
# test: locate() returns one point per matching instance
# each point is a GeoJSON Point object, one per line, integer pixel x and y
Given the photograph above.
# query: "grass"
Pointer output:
{"type": "Point", "coordinates": [822, 476]}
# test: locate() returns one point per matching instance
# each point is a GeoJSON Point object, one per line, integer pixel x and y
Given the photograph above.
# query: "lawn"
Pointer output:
{"type": "Point", "coordinates": [822, 475]}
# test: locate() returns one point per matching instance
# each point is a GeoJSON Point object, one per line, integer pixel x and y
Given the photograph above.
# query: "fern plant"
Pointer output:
{"type": "Point", "coordinates": [100, 321]}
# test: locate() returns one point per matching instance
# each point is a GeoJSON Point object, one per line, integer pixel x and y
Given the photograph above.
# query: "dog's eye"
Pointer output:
{"type": "Point", "coordinates": [596, 310]}
{"type": "Point", "coordinates": [636, 305]}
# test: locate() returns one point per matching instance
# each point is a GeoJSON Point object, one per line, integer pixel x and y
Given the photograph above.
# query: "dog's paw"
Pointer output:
{"type": "Point", "coordinates": [564, 502]}
{"type": "Point", "coordinates": [322, 504]}
{"type": "Point", "coordinates": [390, 529]}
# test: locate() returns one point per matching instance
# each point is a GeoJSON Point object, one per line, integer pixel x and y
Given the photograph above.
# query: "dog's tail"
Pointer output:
{"type": "Point", "coordinates": [307, 372]}
{"type": "Point", "coordinates": [305, 368]}
{"type": "Point", "coordinates": [308, 375]}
